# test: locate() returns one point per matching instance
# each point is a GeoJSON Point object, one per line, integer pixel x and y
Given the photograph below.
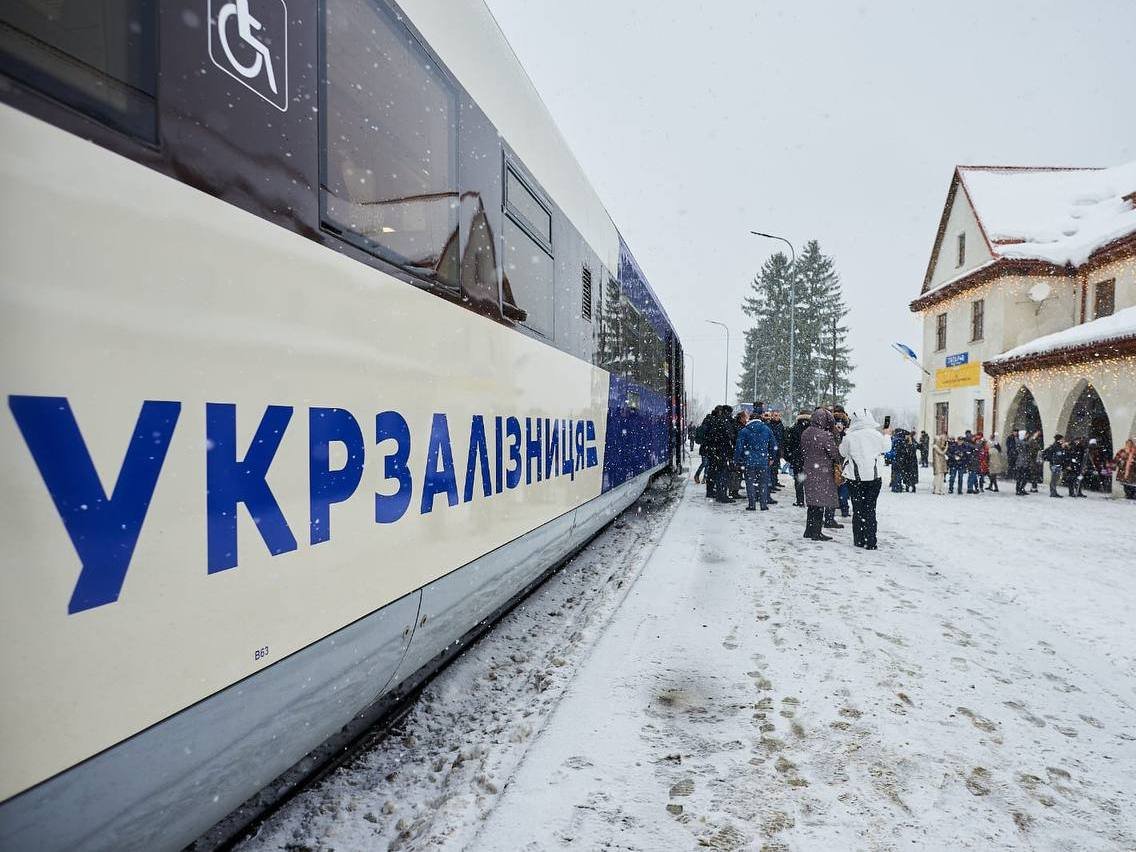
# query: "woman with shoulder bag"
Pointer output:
{"type": "Point", "coordinates": [820, 455]}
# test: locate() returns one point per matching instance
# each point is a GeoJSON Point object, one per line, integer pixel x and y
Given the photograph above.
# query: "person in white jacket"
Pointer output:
{"type": "Point", "coordinates": [862, 449]}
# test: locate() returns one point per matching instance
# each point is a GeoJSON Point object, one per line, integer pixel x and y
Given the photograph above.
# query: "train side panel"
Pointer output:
{"type": "Point", "coordinates": [258, 476]}
{"type": "Point", "coordinates": [215, 332]}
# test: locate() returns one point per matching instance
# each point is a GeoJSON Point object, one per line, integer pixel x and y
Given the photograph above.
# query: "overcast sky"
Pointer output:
{"type": "Point", "coordinates": [700, 121]}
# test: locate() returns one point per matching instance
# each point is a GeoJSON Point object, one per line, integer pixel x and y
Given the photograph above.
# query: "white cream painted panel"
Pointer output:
{"type": "Point", "coordinates": [121, 285]}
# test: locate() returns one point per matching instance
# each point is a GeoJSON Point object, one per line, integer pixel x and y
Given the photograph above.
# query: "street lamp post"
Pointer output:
{"type": "Point", "coordinates": [792, 312]}
{"type": "Point", "coordinates": [726, 387]}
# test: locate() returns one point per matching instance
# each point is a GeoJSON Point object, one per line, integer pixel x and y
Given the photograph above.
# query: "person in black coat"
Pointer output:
{"type": "Point", "coordinates": [1074, 463]}
{"type": "Point", "coordinates": [907, 463]}
{"type": "Point", "coordinates": [737, 423]}
{"type": "Point", "coordinates": [955, 464]}
{"type": "Point", "coordinates": [1054, 456]}
{"type": "Point", "coordinates": [704, 453]}
{"type": "Point", "coordinates": [966, 452]}
{"type": "Point", "coordinates": [794, 454]}
{"type": "Point", "coordinates": [1012, 451]}
{"type": "Point", "coordinates": [924, 448]}
{"type": "Point", "coordinates": [721, 437]}
{"type": "Point", "coordinates": [778, 429]}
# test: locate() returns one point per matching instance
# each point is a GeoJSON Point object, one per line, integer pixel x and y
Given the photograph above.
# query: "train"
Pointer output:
{"type": "Point", "coordinates": [318, 351]}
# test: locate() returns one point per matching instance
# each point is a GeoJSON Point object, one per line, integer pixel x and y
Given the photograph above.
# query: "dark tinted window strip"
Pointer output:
{"type": "Point", "coordinates": [126, 105]}
{"type": "Point", "coordinates": [136, 138]}
{"type": "Point", "coordinates": [378, 179]}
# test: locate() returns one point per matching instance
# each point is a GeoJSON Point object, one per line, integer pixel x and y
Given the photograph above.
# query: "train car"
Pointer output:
{"type": "Point", "coordinates": [317, 349]}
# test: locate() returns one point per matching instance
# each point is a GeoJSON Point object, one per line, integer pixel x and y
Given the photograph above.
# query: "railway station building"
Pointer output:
{"type": "Point", "coordinates": [1029, 305]}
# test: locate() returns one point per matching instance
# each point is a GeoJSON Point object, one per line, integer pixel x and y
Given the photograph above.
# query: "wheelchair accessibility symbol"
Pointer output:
{"type": "Point", "coordinates": [248, 40]}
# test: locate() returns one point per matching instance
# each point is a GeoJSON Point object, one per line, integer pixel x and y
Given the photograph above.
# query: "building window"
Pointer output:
{"type": "Point", "coordinates": [977, 319]}
{"type": "Point", "coordinates": [942, 411]}
{"type": "Point", "coordinates": [527, 285]}
{"type": "Point", "coordinates": [961, 249]}
{"type": "Point", "coordinates": [390, 130]}
{"type": "Point", "coordinates": [980, 417]}
{"type": "Point", "coordinates": [100, 58]}
{"type": "Point", "coordinates": [940, 332]}
{"type": "Point", "coordinates": [1105, 302]}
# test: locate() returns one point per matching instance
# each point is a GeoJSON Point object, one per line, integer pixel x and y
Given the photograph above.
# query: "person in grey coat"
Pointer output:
{"type": "Point", "coordinates": [820, 459]}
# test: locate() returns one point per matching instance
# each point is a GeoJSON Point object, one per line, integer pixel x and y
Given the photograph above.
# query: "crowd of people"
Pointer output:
{"type": "Point", "coordinates": [838, 463]}
{"type": "Point", "coordinates": [975, 463]}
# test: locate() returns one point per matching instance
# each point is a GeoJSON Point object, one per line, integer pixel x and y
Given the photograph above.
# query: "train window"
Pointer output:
{"type": "Point", "coordinates": [528, 280]}
{"type": "Point", "coordinates": [524, 206]}
{"type": "Point", "coordinates": [390, 130]}
{"type": "Point", "coordinates": [97, 56]}
{"type": "Point", "coordinates": [610, 327]}
{"type": "Point", "coordinates": [633, 341]}
{"type": "Point", "coordinates": [643, 352]}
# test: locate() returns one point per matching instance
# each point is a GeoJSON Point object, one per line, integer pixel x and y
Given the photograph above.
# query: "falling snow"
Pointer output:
{"type": "Point", "coordinates": [700, 676]}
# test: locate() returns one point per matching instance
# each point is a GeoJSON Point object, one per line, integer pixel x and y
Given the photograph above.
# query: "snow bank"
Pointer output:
{"type": "Point", "coordinates": [1056, 215]}
{"type": "Point", "coordinates": [1120, 325]}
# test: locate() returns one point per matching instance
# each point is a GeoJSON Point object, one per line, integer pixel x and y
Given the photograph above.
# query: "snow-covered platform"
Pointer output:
{"type": "Point", "coordinates": [705, 677]}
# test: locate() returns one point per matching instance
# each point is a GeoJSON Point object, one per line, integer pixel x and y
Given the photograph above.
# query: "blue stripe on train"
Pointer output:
{"type": "Point", "coordinates": [636, 437]}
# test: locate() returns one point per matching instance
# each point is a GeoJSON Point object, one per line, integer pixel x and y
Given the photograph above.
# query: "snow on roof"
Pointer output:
{"type": "Point", "coordinates": [1056, 215]}
{"type": "Point", "coordinates": [1119, 325]}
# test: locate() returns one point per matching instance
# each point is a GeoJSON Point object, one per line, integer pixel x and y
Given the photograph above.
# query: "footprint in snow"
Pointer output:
{"type": "Point", "coordinates": [1024, 712]}
{"type": "Point", "coordinates": [1062, 684]}
{"type": "Point", "coordinates": [978, 782]}
{"type": "Point", "coordinates": [685, 787]}
{"type": "Point", "coordinates": [980, 722]}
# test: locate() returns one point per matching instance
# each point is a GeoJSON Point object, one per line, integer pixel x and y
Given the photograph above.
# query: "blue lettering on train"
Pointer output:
{"type": "Point", "coordinates": [104, 530]}
{"type": "Point", "coordinates": [327, 486]}
{"type": "Point", "coordinates": [439, 476]}
{"type": "Point", "coordinates": [392, 426]}
{"type": "Point", "coordinates": [229, 482]}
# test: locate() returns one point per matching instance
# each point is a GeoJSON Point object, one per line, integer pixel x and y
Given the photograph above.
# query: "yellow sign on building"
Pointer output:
{"type": "Point", "coordinates": [962, 376]}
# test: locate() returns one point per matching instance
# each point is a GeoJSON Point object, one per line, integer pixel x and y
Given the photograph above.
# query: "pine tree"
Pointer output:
{"type": "Point", "coordinates": [820, 313]}
{"type": "Point", "coordinates": [821, 301]}
{"type": "Point", "coordinates": [767, 341]}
